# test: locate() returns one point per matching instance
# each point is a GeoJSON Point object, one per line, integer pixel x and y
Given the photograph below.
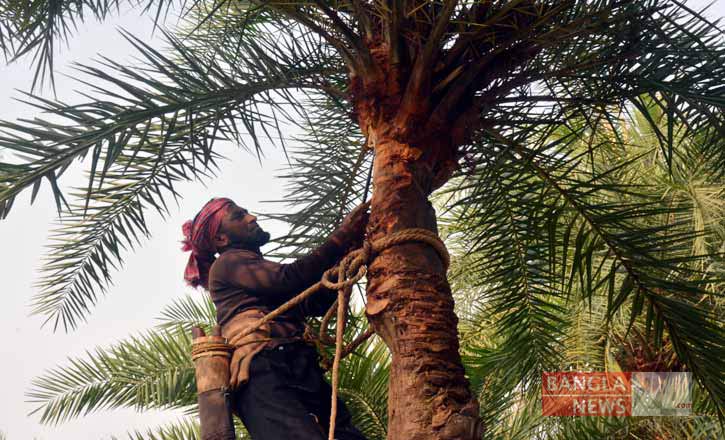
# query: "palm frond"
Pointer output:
{"type": "Point", "coordinates": [364, 387]}
{"type": "Point", "coordinates": [503, 221]}
{"type": "Point", "coordinates": [327, 176]}
{"type": "Point", "coordinates": [88, 244]}
{"type": "Point", "coordinates": [37, 29]}
{"type": "Point", "coordinates": [621, 220]}
{"type": "Point", "coordinates": [184, 429]}
{"type": "Point", "coordinates": [152, 370]}
{"type": "Point", "coordinates": [188, 311]}
{"type": "Point", "coordinates": [181, 97]}
{"type": "Point", "coordinates": [677, 67]}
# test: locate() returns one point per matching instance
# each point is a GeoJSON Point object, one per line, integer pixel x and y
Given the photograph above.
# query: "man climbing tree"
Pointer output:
{"type": "Point", "coordinates": [278, 388]}
{"type": "Point", "coordinates": [494, 98]}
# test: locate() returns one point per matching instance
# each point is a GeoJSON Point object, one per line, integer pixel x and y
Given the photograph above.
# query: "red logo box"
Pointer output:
{"type": "Point", "coordinates": [586, 394]}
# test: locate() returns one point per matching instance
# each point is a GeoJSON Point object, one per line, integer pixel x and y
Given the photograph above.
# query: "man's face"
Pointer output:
{"type": "Point", "coordinates": [240, 227]}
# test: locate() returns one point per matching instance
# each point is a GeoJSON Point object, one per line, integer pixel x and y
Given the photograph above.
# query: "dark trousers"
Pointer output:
{"type": "Point", "coordinates": [287, 398]}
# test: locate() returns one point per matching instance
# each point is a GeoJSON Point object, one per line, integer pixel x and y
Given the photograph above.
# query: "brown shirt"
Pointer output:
{"type": "Point", "coordinates": [241, 279]}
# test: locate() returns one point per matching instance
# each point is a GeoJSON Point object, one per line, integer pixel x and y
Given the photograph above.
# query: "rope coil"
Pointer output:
{"type": "Point", "coordinates": [207, 348]}
{"type": "Point", "coordinates": [226, 354]}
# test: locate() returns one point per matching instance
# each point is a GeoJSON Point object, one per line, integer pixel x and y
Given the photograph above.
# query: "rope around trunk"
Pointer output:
{"type": "Point", "coordinates": [342, 278]}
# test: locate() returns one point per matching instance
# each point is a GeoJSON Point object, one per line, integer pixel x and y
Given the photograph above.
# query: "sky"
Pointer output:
{"type": "Point", "coordinates": [152, 275]}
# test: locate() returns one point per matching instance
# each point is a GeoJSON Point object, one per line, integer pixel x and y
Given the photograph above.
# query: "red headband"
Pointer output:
{"type": "Point", "coordinates": [199, 239]}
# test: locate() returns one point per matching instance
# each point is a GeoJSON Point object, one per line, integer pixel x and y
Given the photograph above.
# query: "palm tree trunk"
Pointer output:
{"type": "Point", "coordinates": [410, 303]}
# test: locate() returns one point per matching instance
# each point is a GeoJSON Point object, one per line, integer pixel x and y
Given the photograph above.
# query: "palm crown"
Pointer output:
{"type": "Point", "coordinates": [535, 120]}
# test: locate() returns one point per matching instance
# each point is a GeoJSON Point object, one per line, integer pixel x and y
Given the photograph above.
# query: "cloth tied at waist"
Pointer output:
{"type": "Point", "coordinates": [245, 348]}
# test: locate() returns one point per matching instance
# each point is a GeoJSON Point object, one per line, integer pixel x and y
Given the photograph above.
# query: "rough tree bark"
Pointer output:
{"type": "Point", "coordinates": [409, 301]}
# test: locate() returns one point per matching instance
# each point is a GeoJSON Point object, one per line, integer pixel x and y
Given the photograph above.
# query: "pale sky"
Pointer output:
{"type": "Point", "coordinates": [148, 282]}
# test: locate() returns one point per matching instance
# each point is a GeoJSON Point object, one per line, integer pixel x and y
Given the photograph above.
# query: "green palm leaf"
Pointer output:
{"type": "Point", "coordinates": [364, 388]}
{"type": "Point", "coordinates": [152, 370]}
{"type": "Point", "coordinates": [323, 184]}
{"type": "Point", "coordinates": [185, 429]}
{"type": "Point", "coordinates": [642, 202]}
{"type": "Point", "coordinates": [189, 311]}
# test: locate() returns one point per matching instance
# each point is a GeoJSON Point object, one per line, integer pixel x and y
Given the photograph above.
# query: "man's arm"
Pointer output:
{"type": "Point", "coordinates": [282, 281]}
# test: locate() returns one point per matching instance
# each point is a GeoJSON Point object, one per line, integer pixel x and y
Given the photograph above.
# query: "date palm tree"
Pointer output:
{"type": "Point", "coordinates": [578, 330]}
{"type": "Point", "coordinates": [501, 99]}
{"type": "Point", "coordinates": [154, 370]}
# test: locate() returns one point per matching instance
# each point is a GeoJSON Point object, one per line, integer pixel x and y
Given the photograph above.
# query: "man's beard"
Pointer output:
{"type": "Point", "coordinates": [252, 241]}
{"type": "Point", "coordinates": [260, 238]}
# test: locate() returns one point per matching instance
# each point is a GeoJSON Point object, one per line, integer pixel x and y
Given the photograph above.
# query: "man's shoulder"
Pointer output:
{"type": "Point", "coordinates": [224, 266]}
{"type": "Point", "coordinates": [236, 256]}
